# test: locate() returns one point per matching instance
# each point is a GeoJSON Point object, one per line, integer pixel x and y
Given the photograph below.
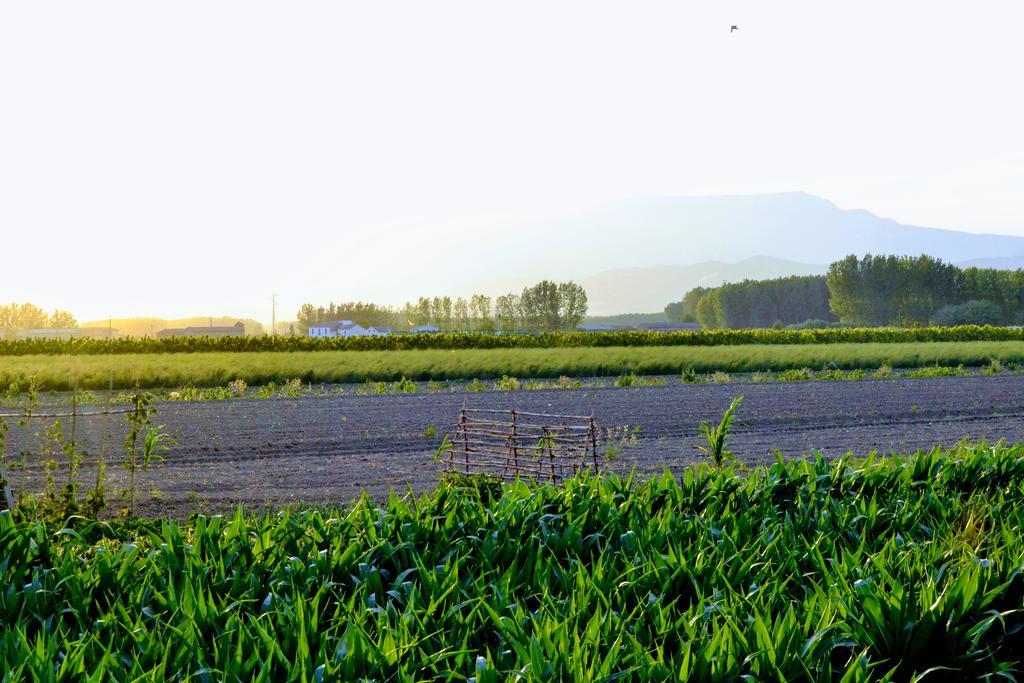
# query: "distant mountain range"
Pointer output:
{"type": "Point", "coordinates": [999, 263]}
{"type": "Point", "coordinates": [793, 226]}
{"type": "Point", "coordinates": [620, 252]}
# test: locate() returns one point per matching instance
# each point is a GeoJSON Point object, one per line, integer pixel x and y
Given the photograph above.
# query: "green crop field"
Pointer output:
{"type": "Point", "coordinates": [889, 569]}
{"type": "Point", "coordinates": [218, 368]}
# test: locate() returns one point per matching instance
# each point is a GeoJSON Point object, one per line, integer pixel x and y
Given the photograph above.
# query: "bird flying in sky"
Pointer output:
{"type": "Point", "coordinates": [733, 28]}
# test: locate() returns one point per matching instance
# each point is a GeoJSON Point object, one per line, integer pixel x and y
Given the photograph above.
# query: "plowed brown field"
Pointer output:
{"type": "Point", "coordinates": [280, 451]}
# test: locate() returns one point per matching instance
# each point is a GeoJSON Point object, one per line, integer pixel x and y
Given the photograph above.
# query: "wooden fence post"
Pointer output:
{"type": "Point", "coordinates": [514, 438]}
{"type": "Point", "coordinates": [465, 440]}
{"type": "Point", "coordinates": [551, 451]}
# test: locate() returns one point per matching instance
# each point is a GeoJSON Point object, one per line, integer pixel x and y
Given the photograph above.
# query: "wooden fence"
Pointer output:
{"type": "Point", "coordinates": [513, 444]}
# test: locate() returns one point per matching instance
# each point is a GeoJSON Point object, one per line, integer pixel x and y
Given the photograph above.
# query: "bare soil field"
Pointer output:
{"type": "Point", "coordinates": [329, 449]}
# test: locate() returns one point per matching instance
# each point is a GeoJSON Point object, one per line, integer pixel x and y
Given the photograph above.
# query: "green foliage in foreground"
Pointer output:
{"type": "Point", "coordinates": [885, 569]}
{"type": "Point", "coordinates": [218, 369]}
{"type": "Point", "coordinates": [481, 340]}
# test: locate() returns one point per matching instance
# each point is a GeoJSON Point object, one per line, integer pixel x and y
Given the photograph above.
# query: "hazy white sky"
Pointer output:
{"type": "Point", "coordinates": [192, 157]}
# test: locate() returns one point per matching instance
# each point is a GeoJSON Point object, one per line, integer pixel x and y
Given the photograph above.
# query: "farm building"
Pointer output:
{"type": "Point", "coordinates": [345, 328]}
{"type": "Point", "coordinates": [236, 330]}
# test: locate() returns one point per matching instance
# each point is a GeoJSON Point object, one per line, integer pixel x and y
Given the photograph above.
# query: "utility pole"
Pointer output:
{"type": "Point", "coordinates": [273, 314]}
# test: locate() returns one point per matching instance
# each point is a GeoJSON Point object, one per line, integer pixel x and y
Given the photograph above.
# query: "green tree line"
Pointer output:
{"type": "Point", "coordinates": [544, 307]}
{"type": "Point", "coordinates": [755, 303]}
{"type": "Point", "coordinates": [873, 290]}
{"type": "Point", "coordinates": [911, 291]}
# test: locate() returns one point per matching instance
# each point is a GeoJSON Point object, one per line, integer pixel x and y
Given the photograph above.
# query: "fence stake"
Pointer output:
{"type": "Point", "coordinates": [465, 436]}
{"type": "Point", "coordinates": [514, 439]}
{"type": "Point", "coordinates": [74, 431]}
{"type": "Point", "coordinates": [493, 446]}
{"type": "Point", "coordinates": [551, 451]}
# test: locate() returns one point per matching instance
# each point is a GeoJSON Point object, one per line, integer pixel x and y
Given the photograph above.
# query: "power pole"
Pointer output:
{"type": "Point", "coordinates": [273, 314]}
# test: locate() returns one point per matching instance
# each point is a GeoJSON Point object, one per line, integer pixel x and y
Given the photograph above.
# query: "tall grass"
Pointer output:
{"type": "Point", "coordinates": [218, 369]}
{"type": "Point", "coordinates": [806, 571]}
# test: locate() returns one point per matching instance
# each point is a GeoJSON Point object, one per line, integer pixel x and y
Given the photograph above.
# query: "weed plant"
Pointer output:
{"type": "Point", "coordinates": [634, 380]}
{"type": "Point", "coordinates": [507, 383]}
{"type": "Point", "coordinates": [616, 440]}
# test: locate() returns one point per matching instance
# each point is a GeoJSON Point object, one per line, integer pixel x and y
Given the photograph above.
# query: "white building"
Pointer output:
{"type": "Point", "coordinates": [343, 328]}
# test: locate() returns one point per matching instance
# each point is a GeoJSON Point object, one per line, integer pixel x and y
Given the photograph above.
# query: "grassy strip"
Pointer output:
{"type": "Point", "coordinates": [13, 397]}
{"type": "Point", "coordinates": [806, 571]}
{"type": "Point", "coordinates": [476, 340]}
{"type": "Point", "coordinates": [218, 369]}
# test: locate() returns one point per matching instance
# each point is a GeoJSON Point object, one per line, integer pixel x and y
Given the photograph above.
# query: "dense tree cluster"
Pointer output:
{"type": "Point", "coordinates": [29, 316]}
{"type": "Point", "coordinates": [890, 290]}
{"type": "Point", "coordinates": [760, 303]}
{"type": "Point", "coordinates": [685, 311]}
{"type": "Point", "coordinates": [903, 291]}
{"type": "Point", "coordinates": [544, 307]}
{"type": "Point", "coordinates": [872, 291]}
{"type": "Point", "coordinates": [910, 291]}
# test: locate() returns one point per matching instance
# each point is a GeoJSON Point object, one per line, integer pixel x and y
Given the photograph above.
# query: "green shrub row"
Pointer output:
{"type": "Point", "coordinates": [477, 340]}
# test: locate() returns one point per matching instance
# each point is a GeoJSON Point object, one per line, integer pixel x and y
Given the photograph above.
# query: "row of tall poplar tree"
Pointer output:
{"type": "Point", "coordinates": [544, 307]}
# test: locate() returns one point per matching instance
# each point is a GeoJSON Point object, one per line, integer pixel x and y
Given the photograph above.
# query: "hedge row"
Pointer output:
{"type": "Point", "coordinates": [405, 342]}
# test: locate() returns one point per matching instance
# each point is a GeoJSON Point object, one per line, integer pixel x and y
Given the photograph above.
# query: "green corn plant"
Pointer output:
{"type": "Point", "coordinates": [885, 568]}
{"type": "Point", "coordinates": [717, 437]}
{"type": "Point", "coordinates": [143, 444]}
